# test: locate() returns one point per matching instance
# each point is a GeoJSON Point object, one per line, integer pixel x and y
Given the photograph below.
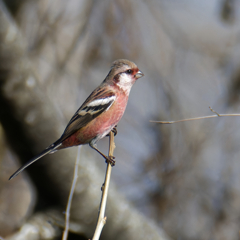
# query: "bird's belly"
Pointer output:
{"type": "Point", "coordinates": [101, 126]}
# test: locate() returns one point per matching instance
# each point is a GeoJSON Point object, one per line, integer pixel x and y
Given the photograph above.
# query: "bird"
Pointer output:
{"type": "Point", "coordinates": [99, 114]}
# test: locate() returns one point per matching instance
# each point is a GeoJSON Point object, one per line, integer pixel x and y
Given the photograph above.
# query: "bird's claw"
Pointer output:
{"type": "Point", "coordinates": [114, 130]}
{"type": "Point", "coordinates": [110, 159]}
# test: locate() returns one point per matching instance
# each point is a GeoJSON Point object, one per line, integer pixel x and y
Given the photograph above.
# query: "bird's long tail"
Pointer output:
{"type": "Point", "coordinates": [48, 150]}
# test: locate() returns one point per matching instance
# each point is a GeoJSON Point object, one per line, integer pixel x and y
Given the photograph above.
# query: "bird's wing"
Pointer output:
{"type": "Point", "coordinates": [99, 101]}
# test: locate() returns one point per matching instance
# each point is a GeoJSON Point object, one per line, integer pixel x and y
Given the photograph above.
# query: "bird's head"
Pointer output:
{"type": "Point", "coordinates": [123, 74]}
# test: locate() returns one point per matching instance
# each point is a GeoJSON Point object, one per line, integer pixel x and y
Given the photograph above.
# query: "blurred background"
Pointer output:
{"type": "Point", "coordinates": [178, 181]}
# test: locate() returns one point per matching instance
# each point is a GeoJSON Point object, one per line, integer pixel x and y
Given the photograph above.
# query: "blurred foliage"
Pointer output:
{"type": "Point", "coordinates": [182, 177]}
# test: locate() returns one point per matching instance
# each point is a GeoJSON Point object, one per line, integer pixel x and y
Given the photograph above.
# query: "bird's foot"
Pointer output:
{"type": "Point", "coordinates": [114, 130]}
{"type": "Point", "coordinates": [110, 159]}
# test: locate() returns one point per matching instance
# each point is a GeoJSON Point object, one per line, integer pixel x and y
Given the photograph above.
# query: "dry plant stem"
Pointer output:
{"type": "Point", "coordinates": [198, 118]}
{"type": "Point", "coordinates": [101, 218]}
{"type": "Point", "coordinates": [67, 214]}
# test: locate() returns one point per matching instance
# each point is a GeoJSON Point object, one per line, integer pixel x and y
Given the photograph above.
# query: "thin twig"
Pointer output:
{"type": "Point", "coordinates": [214, 112]}
{"type": "Point", "coordinates": [101, 217]}
{"type": "Point", "coordinates": [198, 118]}
{"type": "Point", "coordinates": [75, 177]}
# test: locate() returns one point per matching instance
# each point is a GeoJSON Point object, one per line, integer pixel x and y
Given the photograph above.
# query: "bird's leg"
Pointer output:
{"type": "Point", "coordinates": [108, 159]}
{"type": "Point", "coordinates": [114, 130]}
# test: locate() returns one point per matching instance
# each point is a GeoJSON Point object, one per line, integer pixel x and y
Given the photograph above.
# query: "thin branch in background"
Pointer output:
{"type": "Point", "coordinates": [67, 214]}
{"type": "Point", "coordinates": [198, 118]}
{"type": "Point", "coordinates": [101, 217]}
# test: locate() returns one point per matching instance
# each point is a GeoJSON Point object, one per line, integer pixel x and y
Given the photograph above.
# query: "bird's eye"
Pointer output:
{"type": "Point", "coordinates": [129, 71]}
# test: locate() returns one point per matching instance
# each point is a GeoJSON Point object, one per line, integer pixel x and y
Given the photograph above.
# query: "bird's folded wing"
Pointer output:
{"type": "Point", "coordinates": [98, 102]}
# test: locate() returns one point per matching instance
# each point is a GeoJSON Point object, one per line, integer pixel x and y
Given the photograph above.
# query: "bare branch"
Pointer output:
{"type": "Point", "coordinates": [75, 177]}
{"type": "Point", "coordinates": [198, 118]}
{"type": "Point", "coordinates": [101, 218]}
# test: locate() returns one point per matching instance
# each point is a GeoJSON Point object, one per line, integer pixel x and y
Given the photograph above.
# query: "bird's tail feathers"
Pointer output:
{"type": "Point", "coordinates": [52, 148]}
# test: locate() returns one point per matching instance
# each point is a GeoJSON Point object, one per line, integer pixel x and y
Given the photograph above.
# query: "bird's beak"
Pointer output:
{"type": "Point", "coordinates": [139, 74]}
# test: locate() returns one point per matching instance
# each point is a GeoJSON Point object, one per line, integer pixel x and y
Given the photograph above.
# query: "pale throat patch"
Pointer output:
{"type": "Point", "coordinates": [125, 82]}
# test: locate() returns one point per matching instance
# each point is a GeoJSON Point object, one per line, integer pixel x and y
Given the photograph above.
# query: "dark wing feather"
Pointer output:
{"type": "Point", "coordinates": [88, 112]}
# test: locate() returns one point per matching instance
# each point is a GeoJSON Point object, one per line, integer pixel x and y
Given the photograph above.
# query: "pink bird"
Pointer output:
{"type": "Point", "coordinates": [99, 114]}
